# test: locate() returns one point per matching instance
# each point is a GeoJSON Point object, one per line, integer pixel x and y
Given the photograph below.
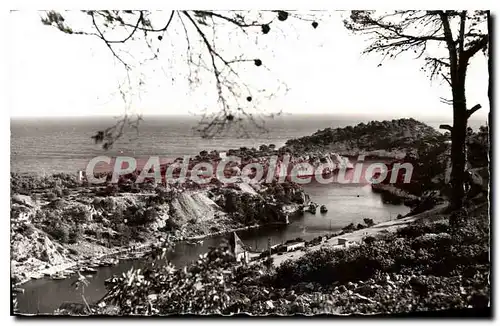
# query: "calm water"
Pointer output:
{"type": "Point", "coordinates": [50, 145]}
{"type": "Point", "coordinates": [64, 145]}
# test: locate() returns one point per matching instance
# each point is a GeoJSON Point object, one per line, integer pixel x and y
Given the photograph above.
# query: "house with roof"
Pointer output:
{"type": "Point", "coordinates": [238, 248]}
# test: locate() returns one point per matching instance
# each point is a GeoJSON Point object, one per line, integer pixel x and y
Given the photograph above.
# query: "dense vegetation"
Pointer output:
{"type": "Point", "coordinates": [385, 135]}
{"type": "Point", "coordinates": [429, 265]}
{"type": "Point", "coordinates": [430, 159]}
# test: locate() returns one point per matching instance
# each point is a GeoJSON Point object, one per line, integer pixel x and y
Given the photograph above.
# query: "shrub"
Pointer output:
{"type": "Point", "coordinates": [369, 222]}
{"type": "Point", "coordinates": [51, 196]}
{"type": "Point", "coordinates": [26, 230]}
{"type": "Point", "coordinates": [369, 240]}
{"type": "Point", "coordinates": [171, 225]}
{"type": "Point", "coordinates": [421, 246]}
{"type": "Point", "coordinates": [75, 235]}
{"type": "Point", "coordinates": [57, 191]}
{"type": "Point", "coordinates": [349, 228]}
{"type": "Point", "coordinates": [268, 263]}
{"type": "Point", "coordinates": [73, 251]}
{"type": "Point", "coordinates": [59, 232]}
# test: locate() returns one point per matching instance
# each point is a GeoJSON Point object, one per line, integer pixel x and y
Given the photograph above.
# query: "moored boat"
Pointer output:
{"type": "Point", "coordinates": [36, 276]}
{"type": "Point", "coordinates": [19, 290]}
{"type": "Point", "coordinates": [88, 270]}
{"type": "Point", "coordinates": [195, 242]}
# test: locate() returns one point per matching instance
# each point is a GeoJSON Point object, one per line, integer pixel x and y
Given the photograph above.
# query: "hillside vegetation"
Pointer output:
{"type": "Point", "coordinates": [384, 138]}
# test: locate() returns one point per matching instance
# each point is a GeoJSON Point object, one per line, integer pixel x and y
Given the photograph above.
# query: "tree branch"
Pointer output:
{"type": "Point", "coordinates": [101, 36]}
{"type": "Point", "coordinates": [446, 127]}
{"type": "Point", "coordinates": [473, 110]}
{"type": "Point", "coordinates": [475, 47]}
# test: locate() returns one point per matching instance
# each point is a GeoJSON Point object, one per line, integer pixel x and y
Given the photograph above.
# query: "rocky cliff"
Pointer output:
{"type": "Point", "coordinates": [56, 227]}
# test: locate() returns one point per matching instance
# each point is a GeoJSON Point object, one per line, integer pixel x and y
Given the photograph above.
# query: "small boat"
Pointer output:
{"type": "Point", "coordinates": [88, 270]}
{"type": "Point", "coordinates": [195, 242]}
{"type": "Point", "coordinates": [36, 276]}
{"type": "Point", "coordinates": [19, 290]}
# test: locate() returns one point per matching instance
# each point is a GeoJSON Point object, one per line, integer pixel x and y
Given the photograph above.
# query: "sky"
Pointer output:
{"type": "Point", "coordinates": [53, 74]}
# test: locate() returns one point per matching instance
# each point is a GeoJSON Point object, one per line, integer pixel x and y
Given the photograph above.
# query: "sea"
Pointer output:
{"type": "Point", "coordinates": [62, 144]}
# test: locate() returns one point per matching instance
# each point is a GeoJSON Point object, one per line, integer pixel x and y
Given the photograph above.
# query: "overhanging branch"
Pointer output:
{"type": "Point", "coordinates": [473, 110]}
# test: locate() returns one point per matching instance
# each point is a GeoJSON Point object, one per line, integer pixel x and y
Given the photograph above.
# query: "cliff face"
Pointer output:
{"type": "Point", "coordinates": [378, 138]}
{"type": "Point", "coordinates": [51, 228]}
{"type": "Point", "coordinates": [31, 248]}
{"type": "Point", "coordinates": [194, 206]}
{"type": "Point", "coordinates": [269, 203]}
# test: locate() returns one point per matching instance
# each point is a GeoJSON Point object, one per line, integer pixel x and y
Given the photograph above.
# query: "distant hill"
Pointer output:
{"type": "Point", "coordinates": [378, 138]}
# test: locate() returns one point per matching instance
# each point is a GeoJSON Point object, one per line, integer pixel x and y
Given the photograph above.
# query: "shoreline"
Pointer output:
{"type": "Point", "coordinates": [144, 248]}
{"type": "Point", "coordinates": [356, 236]}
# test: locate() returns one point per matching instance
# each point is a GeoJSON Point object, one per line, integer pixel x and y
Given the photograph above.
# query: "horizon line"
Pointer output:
{"type": "Point", "coordinates": [478, 116]}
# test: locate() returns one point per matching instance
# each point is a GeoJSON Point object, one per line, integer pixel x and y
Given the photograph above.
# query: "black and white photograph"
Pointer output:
{"type": "Point", "coordinates": [248, 163]}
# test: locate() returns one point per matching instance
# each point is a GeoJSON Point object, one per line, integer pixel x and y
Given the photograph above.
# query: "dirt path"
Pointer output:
{"type": "Point", "coordinates": [357, 236]}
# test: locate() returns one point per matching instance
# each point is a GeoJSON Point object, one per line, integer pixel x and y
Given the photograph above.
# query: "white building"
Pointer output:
{"type": "Point", "coordinates": [295, 245]}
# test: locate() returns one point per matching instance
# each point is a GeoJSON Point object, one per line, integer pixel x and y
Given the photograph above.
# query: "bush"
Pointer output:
{"type": "Point", "coordinates": [327, 265]}
{"type": "Point", "coordinates": [369, 222]}
{"type": "Point", "coordinates": [51, 196]}
{"type": "Point", "coordinates": [426, 247]}
{"type": "Point", "coordinates": [369, 240]}
{"type": "Point", "coordinates": [171, 225]}
{"type": "Point", "coordinates": [79, 214]}
{"type": "Point", "coordinates": [75, 235]}
{"type": "Point", "coordinates": [59, 232]}
{"type": "Point", "coordinates": [349, 228]}
{"type": "Point", "coordinates": [26, 230]}
{"type": "Point", "coordinates": [73, 251]}
{"type": "Point", "coordinates": [57, 191]}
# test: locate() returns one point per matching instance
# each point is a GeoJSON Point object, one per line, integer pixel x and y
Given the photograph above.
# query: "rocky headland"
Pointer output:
{"type": "Point", "coordinates": [379, 139]}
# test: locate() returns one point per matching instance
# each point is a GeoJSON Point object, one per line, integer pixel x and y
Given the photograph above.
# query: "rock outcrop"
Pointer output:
{"type": "Point", "coordinates": [50, 230]}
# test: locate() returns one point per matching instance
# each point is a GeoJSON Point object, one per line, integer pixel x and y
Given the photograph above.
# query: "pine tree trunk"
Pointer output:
{"type": "Point", "coordinates": [458, 158]}
{"type": "Point", "coordinates": [458, 136]}
{"type": "Point", "coordinates": [490, 67]}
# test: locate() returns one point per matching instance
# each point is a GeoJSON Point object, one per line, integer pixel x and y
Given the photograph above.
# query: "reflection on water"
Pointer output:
{"type": "Point", "coordinates": [346, 203]}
